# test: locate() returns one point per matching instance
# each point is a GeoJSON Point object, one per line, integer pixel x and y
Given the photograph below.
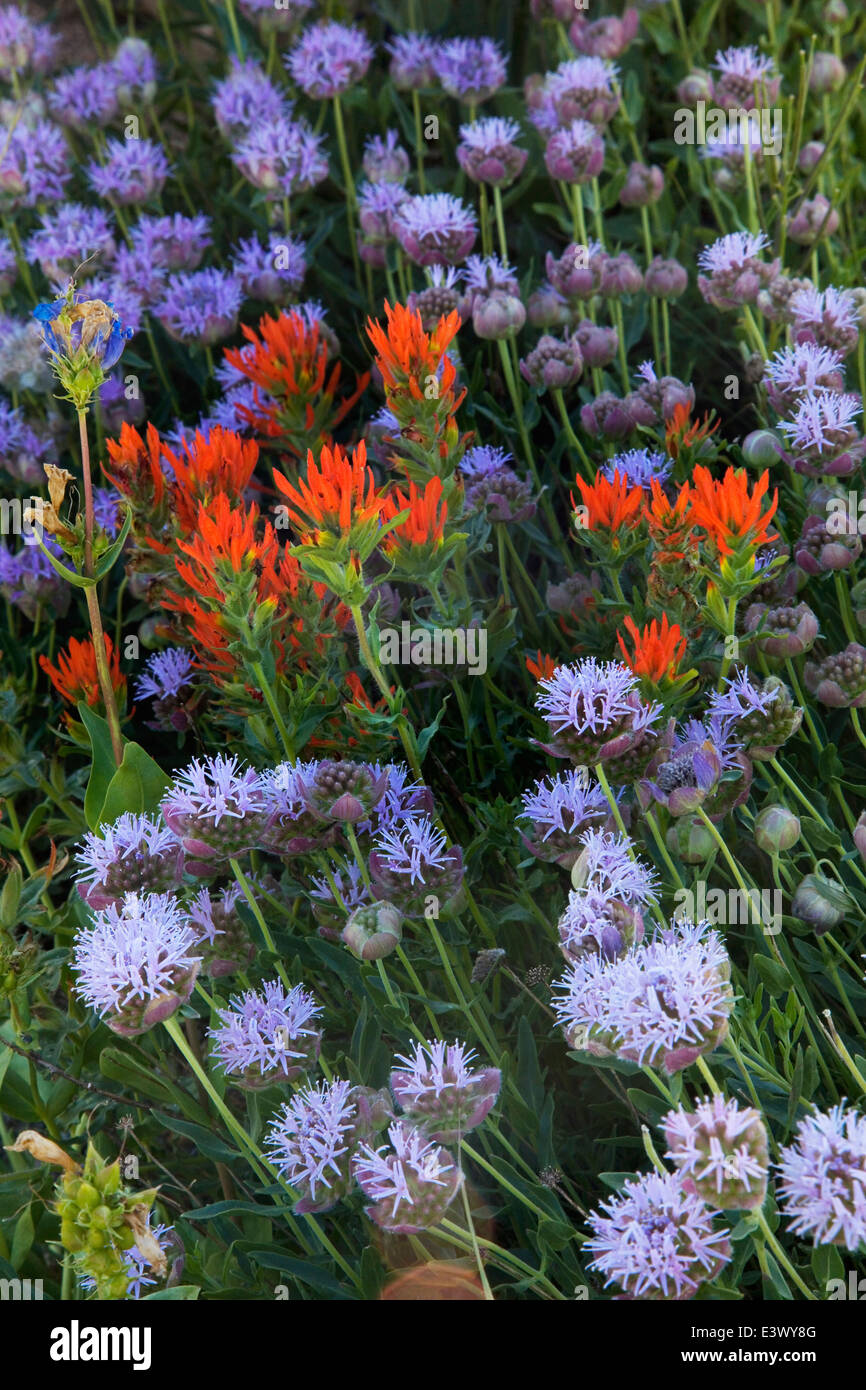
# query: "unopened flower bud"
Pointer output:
{"type": "Point", "coordinates": [814, 218]}
{"type": "Point", "coordinates": [697, 86]}
{"type": "Point", "coordinates": [373, 931]}
{"type": "Point", "coordinates": [690, 840]}
{"type": "Point", "coordinates": [809, 156]}
{"type": "Point", "coordinates": [820, 901]}
{"type": "Point", "coordinates": [644, 184]}
{"type": "Point", "coordinates": [498, 315]}
{"type": "Point", "coordinates": [598, 344]}
{"type": "Point", "coordinates": [782, 632]}
{"type": "Point", "coordinates": [827, 74]}
{"type": "Point", "coordinates": [762, 448]}
{"type": "Point", "coordinates": [665, 278]}
{"type": "Point", "coordinates": [840, 679]}
{"type": "Point", "coordinates": [776, 829]}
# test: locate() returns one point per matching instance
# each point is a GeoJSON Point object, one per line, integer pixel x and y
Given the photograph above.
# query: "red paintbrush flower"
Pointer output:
{"type": "Point", "coordinates": [658, 650]}
{"type": "Point", "coordinates": [609, 506]}
{"type": "Point", "coordinates": [425, 524]}
{"type": "Point", "coordinates": [541, 666]}
{"type": "Point", "coordinates": [337, 496]}
{"type": "Point", "coordinates": [75, 676]}
{"type": "Point", "coordinates": [730, 510]}
{"type": "Point", "coordinates": [419, 378]}
{"type": "Point", "coordinates": [220, 463]}
{"type": "Point", "coordinates": [681, 433]}
{"type": "Point", "coordinates": [289, 361]}
{"type": "Point", "coordinates": [136, 469]}
{"type": "Point", "coordinates": [670, 523]}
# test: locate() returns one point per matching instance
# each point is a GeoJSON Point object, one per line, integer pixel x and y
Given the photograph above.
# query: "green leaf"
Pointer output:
{"type": "Point", "coordinates": [228, 1208]}
{"type": "Point", "coordinates": [80, 581]}
{"type": "Point", "coordinates": [776, 1277]}
{"type": "Point", "coordinates": [302, 1270]}
{"type": "Point", "coordinates": [205, 1141]}
{"type": "Point", "coordinates": [103, 766]}
{"type": "Point", "coordinates": [175, 1293]}
{"type": "Point", "coordinates": [107, 560]}
{"type": "Point", "coordinates": [23, 1238]}
{"type": "Point", "coordinates": [138, 785]}
{"type": "Point", "coordinates": [826, 1265]}
{"type": "Point", "coordinates": [615, 1180]}
{"type": "Point", "coordinates": [773, 974]}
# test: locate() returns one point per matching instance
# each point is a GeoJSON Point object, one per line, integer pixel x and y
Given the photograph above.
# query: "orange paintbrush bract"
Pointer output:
{"type": "Point", "coordinates": [681, 432]}
{"type": "Point", "coordinates": [541, 666]}
{"type": "Point", "coordinates": [658, 649]}
{"type": "Point", "coordinates": [75, 676]}
{"type": "Point", "coordinates": [425, 524]}
{"type": "Point", "coordinates": [220, 463]}
{"type": "Point", "coordinates": [336, 494]}
{"type": "Point", "coordinates": [730, 510]}
{"type": "Point", "coordinates": [610, 505]}
{"type": "Point", "coordinates": [406, 355]}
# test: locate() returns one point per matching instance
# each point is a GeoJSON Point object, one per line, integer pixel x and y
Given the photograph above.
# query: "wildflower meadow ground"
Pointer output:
{"type": "Point", "coordinates": [432, 791]}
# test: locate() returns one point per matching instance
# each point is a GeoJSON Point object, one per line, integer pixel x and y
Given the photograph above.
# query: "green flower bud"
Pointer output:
{"type": "Point", "coordinates": [690, 840]}
{"type": "Point", "coordinates": [776, 829]}
{"type": "Point", "coordinates": [821, 902]}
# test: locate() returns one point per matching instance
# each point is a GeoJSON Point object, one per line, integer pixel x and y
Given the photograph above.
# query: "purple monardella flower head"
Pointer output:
{"type": "Point", "coordinates": [200, 306]}
{"type": "Point", "coordinates": [246, 98]}
{"type": "Point", "coordinates": [378, 204]}
{"type": "Point", "coordinates": [17, 40]}
{"type": "Point", "coordinates": [740, 71]}
{"type": "Point", "coordinates": [580, 89]}
{"type": "Point", "coordinates": [223, 936]}
{"type": "Point", "coordinates": [131, 171]}
{"type": "Point", "coordinates": [488, 151]}
{"type": "Point", "coordinates": [482, 275]}
{"type": "Point", "coordinates": [274, 272]}
{"type": "Point", "coordinates": [741, 698]}
{"type": "Point", "coordinates": [666, 1001]}
{"type": "Point", "coordinates": [138, 962]}
{"type": "Point", "coordinates": [217, 809]}
{"type": "Point", "coordinates": [24, 449]}
{"type": "Point", "coordinates": [732, 254]}
{"type": "Point", "coordinates": [603, 915]}
{"type": "Point", "coordinates": [166, 674]}
{"type": "Point", "coordinates": [720, 1152]}
{"type": "Point", "coordinates": [823, 1178]}
{"type": "Point", "coordinates": [412, 58]}
{"type": "Point", "coordinates": [823, 431]}
{"type": "Point", "coordinates": [28, 579]}
{"type": "Point", "coordinates": [311, 1142]}
{"type": "Point", "coordinates": [402, 799]}
{"type": "Point", "coordinates": [265, 1035]}
{"type": "Point", "coordinates": [35, 165]}
{"type": "Point", "coordinates": [132, 855]}
{"type": "Point", "coordinates": [106, 510]}
{"type": "Point", "coordinates": [639, 467]}
{"type": "Point", "coordinates": [8, 265]}
{"type": "Point", "coordinates": [435, 228]}
{"type": "Point", "coordinates": [575, 152]}
{"type": "Point", "coordinates": [352, 890]}
{"type": "Point", "coordinates": [595, 714]}
{"type": "Point", "coordinates": [176, 242]}
{"type": "Point", "coordinates": [792, 371]}
{"type": "Point", "coordinates": [385, 160]}
{"type": "Point", "coordinates": [135, 71]}
{"type": "Point", "coordinates": [829, 317]}
{"type": "Point", "coordinates": [686, 769]}
{"type": "Point", "coordinates": [411, 1185]}
{"type": "Point", "coordinates": [71, 234]}
{"type": "Point", "coordinates": [657, 1241]}
{"type": "Point", "coordinates": [471, 69]}
{"type": "Point", "coordinates": [341, 791]}
{"type": "Point", "coordinates": [282, 157]}
{"type": "Point", "coordinates": [438, 1089]}
{"type": "Point", "coordinates": [483, 459]}
{"type": "Point", "coordinates": [559, 809]}
{"type": "Point", "coordinates": [329, 58]}
{"type": "Point", "coordinates": [411, 862]}
{"type": "Point", "coordinates": [84, 97]}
